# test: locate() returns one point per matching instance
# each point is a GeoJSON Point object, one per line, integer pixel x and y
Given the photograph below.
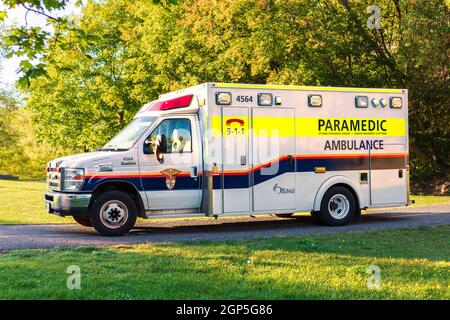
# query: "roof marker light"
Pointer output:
{"type": "Point", "coordinates": [277, 100]}
{"type": "Point", "coordinates": [179, 102]}
{"type": "Point", "coordinates": [375, 102]}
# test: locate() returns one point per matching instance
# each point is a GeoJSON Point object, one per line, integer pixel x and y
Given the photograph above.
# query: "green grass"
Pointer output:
{"type": "Point", "coordinates": [21, 202]}
{"type": "Point", "coordinates": [430, 200]}
{"type": "Point", "coordinates": [414, 263]}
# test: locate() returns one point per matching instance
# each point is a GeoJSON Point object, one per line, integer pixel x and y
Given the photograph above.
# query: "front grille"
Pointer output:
{"type": "Point", "coordinates": [53, 179]}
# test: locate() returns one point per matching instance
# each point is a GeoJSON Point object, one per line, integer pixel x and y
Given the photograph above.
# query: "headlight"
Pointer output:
{"type": "Point", "coordinates": [72, 179]}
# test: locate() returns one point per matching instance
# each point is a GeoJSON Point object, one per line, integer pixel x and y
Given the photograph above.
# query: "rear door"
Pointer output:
{"type": "Point", "coordinates": [273, 161]}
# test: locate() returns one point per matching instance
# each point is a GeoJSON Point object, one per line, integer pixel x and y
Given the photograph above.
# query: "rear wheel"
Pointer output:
{"type": "Point", "coordinates": [338, 207]}
{"type": "Point", "coordinates": [113, 213]}
{"type": "Point", "coordinates": [83, 220]}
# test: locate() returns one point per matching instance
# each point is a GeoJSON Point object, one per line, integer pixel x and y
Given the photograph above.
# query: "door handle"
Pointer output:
{"type": "Point", "coordinates": [243, 160]}
{"type": "Point", "coordinates": [194, 172]}
{"type": "Point", "coordinates": [290, 159]}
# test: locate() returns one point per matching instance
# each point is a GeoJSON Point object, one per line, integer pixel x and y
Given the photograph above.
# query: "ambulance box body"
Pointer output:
{"type": "Point", "coordinates": [236, 149]}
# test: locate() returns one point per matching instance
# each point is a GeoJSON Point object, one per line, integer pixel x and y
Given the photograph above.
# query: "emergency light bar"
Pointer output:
{"type": "Point", "coordinates": [180, 102]}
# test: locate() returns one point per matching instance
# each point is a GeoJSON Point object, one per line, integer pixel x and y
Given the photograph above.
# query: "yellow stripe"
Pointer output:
{"type": "Point", "coordinates": [271, 126]}
{"type": "Point", "coordinates": [304, 88]}
{"type": "Point", "coordinates": [311, 127]}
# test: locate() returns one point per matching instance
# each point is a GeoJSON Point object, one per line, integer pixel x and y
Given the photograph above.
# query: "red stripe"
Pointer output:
{"type": "Point", "coordinates": [135, 175]}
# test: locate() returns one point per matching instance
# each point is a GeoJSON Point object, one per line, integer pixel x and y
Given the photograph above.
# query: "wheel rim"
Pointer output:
{"type": "Point", "coordinates": [338, 206]}
{"type": "Point", "coordinates": [114, 214]}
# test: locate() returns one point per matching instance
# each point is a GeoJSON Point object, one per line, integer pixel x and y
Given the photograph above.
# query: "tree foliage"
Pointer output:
{"type": "Point", "coordinates": [22, 153]}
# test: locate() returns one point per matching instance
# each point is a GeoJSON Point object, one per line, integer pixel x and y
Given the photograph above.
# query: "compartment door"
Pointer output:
{"type": "Point", "coordinates": [388, 176]}
{"type": "Point", "coordinates": [273, 159]}
{"type": "Point", "coordinates": [236, 167]}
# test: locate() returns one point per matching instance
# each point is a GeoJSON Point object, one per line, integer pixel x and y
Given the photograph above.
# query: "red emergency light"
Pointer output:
{"type": "Point", "coordinates": [180, 102]}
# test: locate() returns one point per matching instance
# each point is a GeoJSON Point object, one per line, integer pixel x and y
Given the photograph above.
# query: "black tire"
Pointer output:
{"type": "Point", "coordinates": [316, 216]}
{"type": "Point", "coordinates": [284, 215]}
{"type": "Point", "coordinates": [339, 211]}
{"type": "Point", "coordinates": [113, 204]}
{"type": "Point", "coordinates": [83, 220]}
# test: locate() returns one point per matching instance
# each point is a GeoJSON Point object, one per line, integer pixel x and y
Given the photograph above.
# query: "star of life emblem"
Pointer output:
{"type": "Point", "coordinates": [171, 177]}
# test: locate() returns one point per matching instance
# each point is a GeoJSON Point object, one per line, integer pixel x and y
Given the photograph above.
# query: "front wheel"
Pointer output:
{"type": "Point", "coordinates": [113, 213]}
{"type": "Point", "coordinates": [338, 207]}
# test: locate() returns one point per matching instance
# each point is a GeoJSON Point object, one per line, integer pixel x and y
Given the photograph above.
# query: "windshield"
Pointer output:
{"type": "Point", "coordinates": [125, 139]}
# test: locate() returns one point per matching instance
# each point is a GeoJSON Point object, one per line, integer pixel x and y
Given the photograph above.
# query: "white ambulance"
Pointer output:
{"type": "Point", "coordinates": [221, 149]}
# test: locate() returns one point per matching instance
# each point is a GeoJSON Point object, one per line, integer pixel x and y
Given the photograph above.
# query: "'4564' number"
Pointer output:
{"type": "Point", "coordinates": [244, 99]}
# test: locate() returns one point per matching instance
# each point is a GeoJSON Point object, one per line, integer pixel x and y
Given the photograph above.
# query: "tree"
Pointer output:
{"type": "Point", "coordinates": [119, 55]}
{"type": "Point", "coordinates": [33, 42]}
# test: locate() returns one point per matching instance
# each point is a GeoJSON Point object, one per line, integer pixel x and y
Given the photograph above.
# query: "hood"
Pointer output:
{"type": "Point", "coordinates": [82, 160]}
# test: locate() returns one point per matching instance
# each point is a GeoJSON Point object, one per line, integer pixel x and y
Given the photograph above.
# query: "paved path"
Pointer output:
{"type": "Point", "coordinates": [49, 236]}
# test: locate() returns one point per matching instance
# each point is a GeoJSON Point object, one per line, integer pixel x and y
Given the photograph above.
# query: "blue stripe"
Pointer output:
{"type": "Point", "coordinates": [230, 181]}
{"type": "Point", "coordinates": [307, 165]}
{"type": "Point", "coordinates": [147, 184]}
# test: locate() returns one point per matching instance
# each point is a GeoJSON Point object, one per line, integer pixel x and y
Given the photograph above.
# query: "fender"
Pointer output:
{"type": "Point", "coordinates": [120, 184]}
{"type": "Point", "coordinates": [327, 184]}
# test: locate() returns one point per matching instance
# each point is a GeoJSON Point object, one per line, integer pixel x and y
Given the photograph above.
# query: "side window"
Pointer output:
{"type": "Point", "coordinates": [178, 135]}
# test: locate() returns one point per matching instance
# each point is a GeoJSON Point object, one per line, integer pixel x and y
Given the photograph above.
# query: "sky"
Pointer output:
{"type": "Point", "coordinates": [8, 74]}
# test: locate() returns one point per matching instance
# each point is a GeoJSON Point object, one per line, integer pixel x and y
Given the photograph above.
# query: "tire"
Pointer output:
{"type": "Point", "coordinates": [338, 207]}
{"type": "Point", "coordinates": [284, 215]}
{"type": "Point", "coordinates": [113, 213]}
{"type": "Point", "coordinates": [316, 217]}
{"type": "Point", "coordinates": [83, 220]}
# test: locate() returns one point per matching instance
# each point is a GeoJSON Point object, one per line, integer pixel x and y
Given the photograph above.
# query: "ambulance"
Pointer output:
{"type": "Point", "coordinates": [223, 149]}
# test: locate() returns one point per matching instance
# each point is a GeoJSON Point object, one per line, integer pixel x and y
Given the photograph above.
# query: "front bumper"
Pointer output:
{"type": "Point", "coordinates": [67, 204]}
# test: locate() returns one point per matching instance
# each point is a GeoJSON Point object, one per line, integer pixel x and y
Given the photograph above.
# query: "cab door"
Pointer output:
{"type": "Point", "coordinates": [173, 182]}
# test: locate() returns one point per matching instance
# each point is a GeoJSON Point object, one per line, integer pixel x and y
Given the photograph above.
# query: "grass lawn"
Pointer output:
{"type": "Point", "coordinates": [22, 202]}
{"type": "Point", "coordinates": [414, 264]}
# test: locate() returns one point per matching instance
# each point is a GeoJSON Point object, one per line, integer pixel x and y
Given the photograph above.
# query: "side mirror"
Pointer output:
{"type": "Point", "coordinates": [160, 147]}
